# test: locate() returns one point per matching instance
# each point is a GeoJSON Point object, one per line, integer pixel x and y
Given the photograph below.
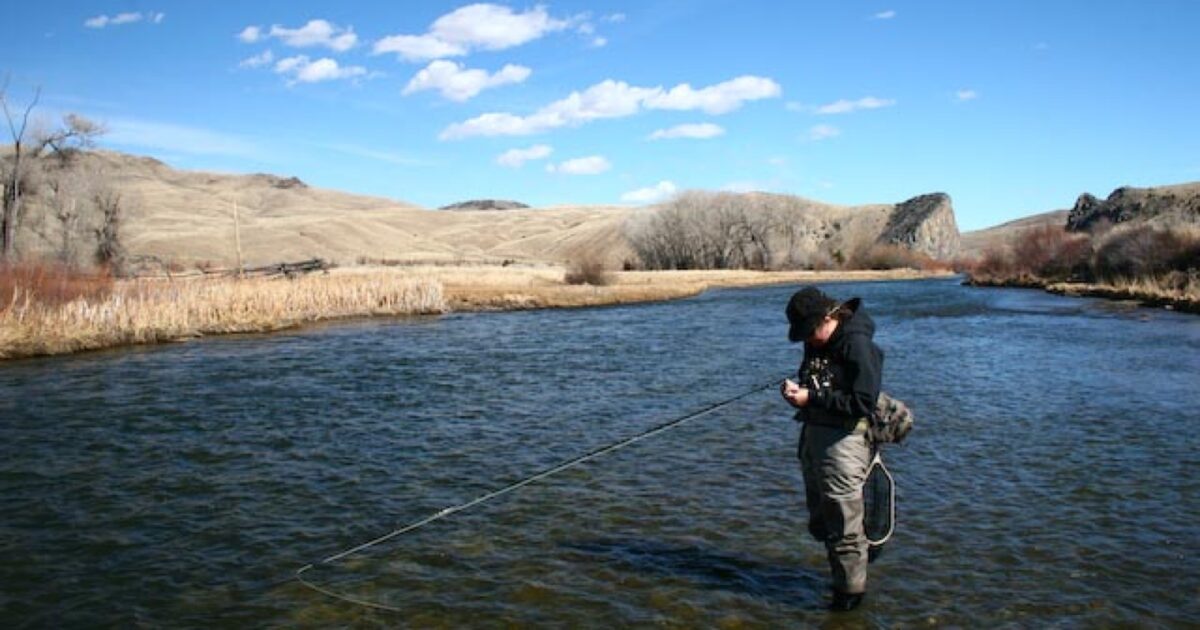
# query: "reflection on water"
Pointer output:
{"type": "Point", "coordinates": [1050, 479]}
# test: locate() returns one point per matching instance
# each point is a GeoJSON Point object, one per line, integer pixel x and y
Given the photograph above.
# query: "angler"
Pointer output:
{"type": "Point", "coordinates": [836, 396]}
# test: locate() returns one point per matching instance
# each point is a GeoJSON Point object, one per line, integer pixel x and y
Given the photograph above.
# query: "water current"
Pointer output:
{"type": "Point", "coordinates": [1051, 480]}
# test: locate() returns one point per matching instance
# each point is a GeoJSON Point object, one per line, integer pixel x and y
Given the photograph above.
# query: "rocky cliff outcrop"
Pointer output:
{"type": "Point", "coordinates": [925, 224]}
{"type": "Point", "coordinates": [1159, 205]}
{"type": "Point", "coordinates": [485, 204]}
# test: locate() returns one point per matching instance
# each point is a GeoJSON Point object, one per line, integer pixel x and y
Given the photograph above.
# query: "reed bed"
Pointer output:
{"type": "Point", "coordinates": [151, 311]}
{"type": "Point", "coordinates": [1176, 290]}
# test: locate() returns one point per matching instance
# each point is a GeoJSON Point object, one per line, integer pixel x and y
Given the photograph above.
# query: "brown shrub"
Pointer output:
{"type": "Point", "coordinates": [1049, 252]}
{"type": "Point", "coordinates": [588, 271]}
{"type": "Point", "coordinates": [51, 284]}
{"type": "Point", "coordinates": [880, 256]}
{"type": "Point", "coordinates": [1145, 251]}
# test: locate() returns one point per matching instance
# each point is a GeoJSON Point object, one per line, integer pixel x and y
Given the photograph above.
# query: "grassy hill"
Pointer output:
{"type": "Point", "coordinates": [186, 219]}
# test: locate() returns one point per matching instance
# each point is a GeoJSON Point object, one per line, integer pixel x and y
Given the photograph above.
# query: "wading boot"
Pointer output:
{"type": "Point", "coordinates": [845, 602]}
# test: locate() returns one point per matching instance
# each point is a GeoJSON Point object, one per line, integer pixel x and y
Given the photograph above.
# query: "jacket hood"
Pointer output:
{"type": "Point", "coordinates": [859, 324]}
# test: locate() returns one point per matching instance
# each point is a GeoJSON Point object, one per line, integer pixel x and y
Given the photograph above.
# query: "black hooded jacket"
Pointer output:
{"type": "Point", "coordinates": [844, 376]}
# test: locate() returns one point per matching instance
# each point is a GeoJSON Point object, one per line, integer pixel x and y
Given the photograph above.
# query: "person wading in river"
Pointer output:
{"type": "Point", "coordinates": [839, 384]}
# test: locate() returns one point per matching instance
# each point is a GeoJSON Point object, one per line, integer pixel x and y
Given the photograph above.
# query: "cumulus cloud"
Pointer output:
{"type": "Point", "coordinates": [844, 106]}
{"type": "Point", "coordinates": [822, 132]}
{"type": "Point", "coordinates": [966, 95]}
{"type": "Point", "coordinates": [614, 99]}
{"type": "Point", "coordinates": [473, 27]}
{"type": "Point", "coordinates": [700, 131]}
{"type": "Point", "coordinates": [301, 70]}
{"type": "Point", "coordinates": [102, 21]}
{"type": "Point", "coordinates": [885, 15]}
{"type": "Point", "coordinates": [250, 34]}
{"type": "Point", "coordinates": [590, 165]}
{"type": "Point", "coordinates": [314, 33]}
{"type": "Point", "coordinates": [515, 158]}
{"type": "Point", "coordinates": [459, 83]}
{"type": "Point", "coordinates": [651, 194]}
{"type": "Point", "coordinates": [257, 61]}
{"type": "Point", "coordinates": [716, 99]}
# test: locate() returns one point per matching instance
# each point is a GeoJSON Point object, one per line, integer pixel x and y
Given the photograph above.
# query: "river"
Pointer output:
{"type": "Point", "coordinates": [1050, 481]}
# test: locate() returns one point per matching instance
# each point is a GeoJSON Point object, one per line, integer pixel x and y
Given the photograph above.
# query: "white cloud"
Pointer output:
{"type": "Point", "coordinates": [302, 70]}
{"type": "Point", "coordinates": [651, 194]}
{"type": "Point", "coordinates": [821, 132]}
{"type": "Point", "coordinates": [459, 83]}
{"type": "Point", "coordinates": [262, 59]}
{"type": "Point", "coordinates": [590, 165]}
{"type": "Point", "coordinates": [250, 34]}
{"type": "Point", "coordinates": [599, 42]}
{"type": "Point", "coordinates": [418, 47]}
{"type": "Point", "coordinates": [615, 18]}
{"type": "Point", "coordinates": [607, 99]}
{"type": "Point", "coordinates": [613, 99]}
{"type": "Point", "coordinates": [846, 106]}
{"type": "Point", "coordinates": [102, 21]}
{"type": "Point", "coordinates": [179, 139]}
{"type": "Point", "coordinates": [966, 95]}
{"type": "Point", "coordinates": [885, 15]}
{"type": "Point", "coordinates": [473, 27]}
{"type": "Point", "coordinates": [316, 33]}
{"type": "Point", "coordinates": [716, 99]}
{"type": "Point", "coordinates": [700, 131]}
{"type": "Point", "coordinates": [515, 158]}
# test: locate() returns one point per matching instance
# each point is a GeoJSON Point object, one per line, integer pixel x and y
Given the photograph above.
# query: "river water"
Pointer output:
{"type": "Point", "coordinates": [1051, 479]}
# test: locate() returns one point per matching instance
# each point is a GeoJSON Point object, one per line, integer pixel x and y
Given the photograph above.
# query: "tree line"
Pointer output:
{"type": "Point", "coordinates": [725, 230]}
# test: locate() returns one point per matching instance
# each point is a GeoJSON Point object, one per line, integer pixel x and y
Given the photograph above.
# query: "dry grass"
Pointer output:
{"type": "Point", "coordinates": [521, 288]}
{"type": "Point", "coordinates": [150, 311]}
{"type": "Point", "coordinates": [1177, 290]}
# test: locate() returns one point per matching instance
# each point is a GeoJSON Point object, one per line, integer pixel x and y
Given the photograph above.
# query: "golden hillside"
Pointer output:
{"type": "Point", "coordinates": [187, 218]}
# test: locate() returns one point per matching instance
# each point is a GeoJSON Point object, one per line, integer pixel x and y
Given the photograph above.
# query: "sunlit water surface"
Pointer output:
{"type": "Point", "coordinates": [1051, 479]}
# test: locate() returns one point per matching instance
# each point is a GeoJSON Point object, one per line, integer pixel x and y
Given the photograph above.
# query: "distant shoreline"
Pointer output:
{"type": "Point", "coordinates": [519, 289]}
{"type": "Point", "coordinates": [141, 311]}
{"type": "Point", "coordinates": [1145, 294]}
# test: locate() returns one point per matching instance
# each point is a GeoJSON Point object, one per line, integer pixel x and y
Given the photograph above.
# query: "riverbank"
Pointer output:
{"type": "Point", "coordinates": [1147, 293]}
{"type": "Point", "coordinates": [144, 311]}
{"type": "Point", "coordinates": [508, 288]}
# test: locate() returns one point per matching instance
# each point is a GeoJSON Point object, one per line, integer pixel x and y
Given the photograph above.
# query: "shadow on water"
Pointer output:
{"type": "Point", "coordinates": [712, 569]}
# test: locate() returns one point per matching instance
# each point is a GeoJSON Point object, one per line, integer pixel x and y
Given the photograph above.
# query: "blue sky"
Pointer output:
{"type": "Point", "coordinates": [1011, 107]}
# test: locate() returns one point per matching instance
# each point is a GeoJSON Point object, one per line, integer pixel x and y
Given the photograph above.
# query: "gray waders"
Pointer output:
{"type": "Point", "coordinates": [835, 462]}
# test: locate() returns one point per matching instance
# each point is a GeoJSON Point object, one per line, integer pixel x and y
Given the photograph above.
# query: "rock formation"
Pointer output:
{"type": "Point", "coordinates": [485, 204]}
{"type": "Point", "coordinates": [925, 224]}
{"type": "Point", "coordinates": [1159, 205]}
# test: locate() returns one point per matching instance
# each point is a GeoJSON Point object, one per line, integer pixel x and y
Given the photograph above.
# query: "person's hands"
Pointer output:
{"type": "Point", "coordinates": [792, 392]}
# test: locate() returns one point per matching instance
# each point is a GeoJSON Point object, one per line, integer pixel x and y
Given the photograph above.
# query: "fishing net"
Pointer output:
{"type": "Point", "coordinates": [879, 503]}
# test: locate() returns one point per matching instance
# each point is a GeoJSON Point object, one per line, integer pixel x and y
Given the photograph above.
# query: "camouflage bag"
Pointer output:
{"type": "Point", "coordinates": [891, 421]}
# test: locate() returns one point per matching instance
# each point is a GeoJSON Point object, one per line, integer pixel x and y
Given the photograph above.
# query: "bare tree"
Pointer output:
{"type": "Point", "coordinates": [109, 250]}
{"type": "Point", "coordinates": [71, 191]}
{"type": "Point", "coordinates": [76, 132]}
{"type": "Point", "coordinates": [12, 180]}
